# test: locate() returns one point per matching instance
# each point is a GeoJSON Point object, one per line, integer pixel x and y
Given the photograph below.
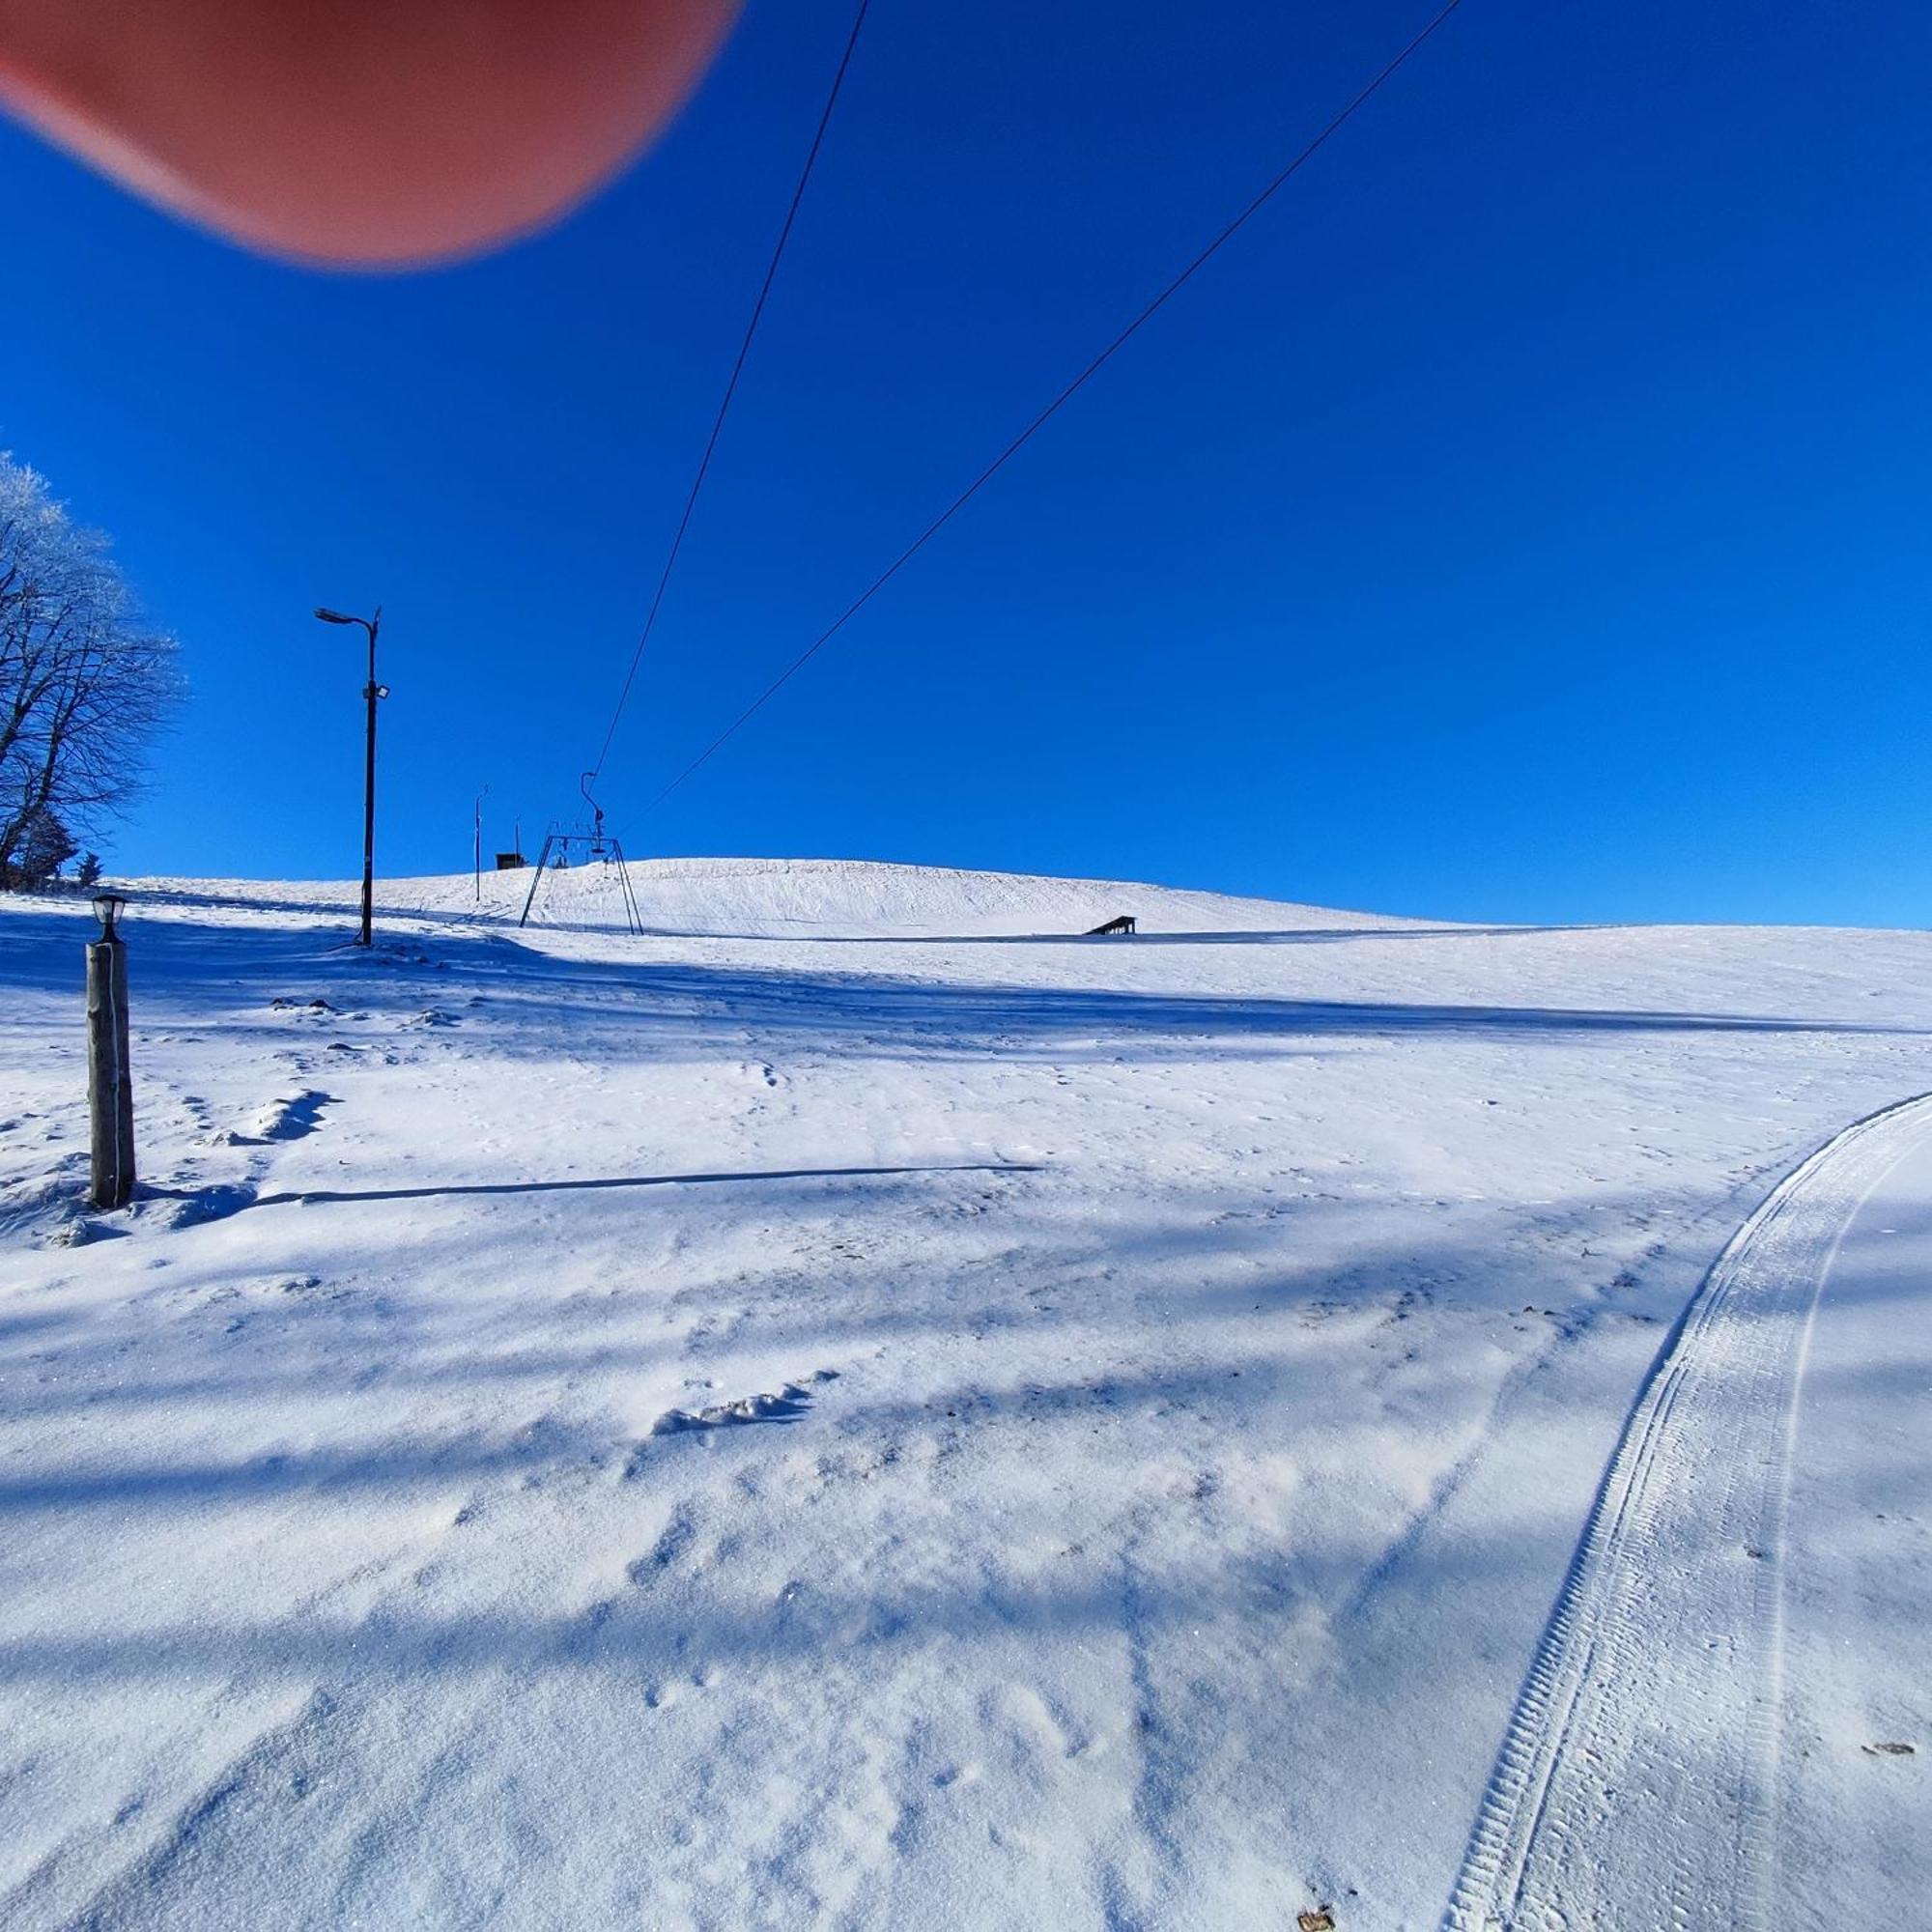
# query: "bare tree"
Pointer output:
{"type": "Point", "coordinates": [85, 682]}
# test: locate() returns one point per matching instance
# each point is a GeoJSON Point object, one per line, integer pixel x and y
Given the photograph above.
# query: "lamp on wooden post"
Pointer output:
{"type": "Point", "coordinates": [110, 1092]}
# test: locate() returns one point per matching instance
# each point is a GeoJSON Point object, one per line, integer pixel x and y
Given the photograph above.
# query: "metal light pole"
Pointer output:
{"type": "Point", "coordinates": [371, 690]}
{"type": "Point", "coordinates": [110, 1092]}
{"type": "Point", "coordinates": [480, 797]}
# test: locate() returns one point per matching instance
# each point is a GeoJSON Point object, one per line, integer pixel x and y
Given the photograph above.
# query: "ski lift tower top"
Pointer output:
{"type": "Point", "coordinates": [556, 851]}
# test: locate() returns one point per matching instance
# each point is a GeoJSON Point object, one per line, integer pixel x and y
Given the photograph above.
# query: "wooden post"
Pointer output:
{"type": "Point", "coordinates": [110, 1092]}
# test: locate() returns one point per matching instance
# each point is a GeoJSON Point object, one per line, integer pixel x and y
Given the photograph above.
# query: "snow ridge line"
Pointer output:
{"type": "Point", "coordinates": [1591, 1654]}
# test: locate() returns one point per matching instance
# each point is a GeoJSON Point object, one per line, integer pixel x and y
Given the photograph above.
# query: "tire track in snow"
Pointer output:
{"type": "Point", "coordinates": [1635, 1782]}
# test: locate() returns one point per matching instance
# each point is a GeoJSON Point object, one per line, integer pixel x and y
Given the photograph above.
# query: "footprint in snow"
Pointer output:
{"type": "Point", "coordinates": [210, 1204]}
{"type": "Point", "coordinates": [677, 1537]}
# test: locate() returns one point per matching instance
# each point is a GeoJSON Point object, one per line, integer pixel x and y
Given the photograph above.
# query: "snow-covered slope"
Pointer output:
{"type": "Point", "coordinates": [861, 1406]}
{"type": "Point", "coordinates": [823, 897]}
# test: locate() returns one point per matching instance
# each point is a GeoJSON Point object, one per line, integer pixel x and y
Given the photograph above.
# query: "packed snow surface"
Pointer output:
{"type": "Point", "coordinates": [861, 1406]}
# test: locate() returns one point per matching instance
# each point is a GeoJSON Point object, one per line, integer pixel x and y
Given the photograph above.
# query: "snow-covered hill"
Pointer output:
{"type": "Point", "coordinates": [863, 1407]}
{"type": "Point", "coordinates": [821, 897]}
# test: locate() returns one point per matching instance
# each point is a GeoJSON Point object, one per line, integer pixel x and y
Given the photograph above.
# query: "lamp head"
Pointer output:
{"type": "Point", "coordinates": [107, 908]}
{"type": "Point", "coordinates": [330, 616]}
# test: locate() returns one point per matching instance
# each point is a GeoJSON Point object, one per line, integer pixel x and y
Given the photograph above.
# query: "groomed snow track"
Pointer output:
{"type": "Point", "coordinates": [1637, 1786]}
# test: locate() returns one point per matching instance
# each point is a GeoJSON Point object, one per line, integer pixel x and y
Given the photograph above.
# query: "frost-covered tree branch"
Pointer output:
{"type": "Point", "coordinates": [85, 681]}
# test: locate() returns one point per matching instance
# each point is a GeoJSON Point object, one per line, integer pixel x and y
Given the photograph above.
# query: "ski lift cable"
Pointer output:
{"type": "Point", "coordinates": [1059, 402]}
{"type": "Point", "coordinates": [732, 386]}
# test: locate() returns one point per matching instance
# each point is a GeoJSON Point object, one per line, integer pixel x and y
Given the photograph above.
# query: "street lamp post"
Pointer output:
{"type": "Point", "coordinates": [480, 797]}
{"type": "Point", "coordinates": [371, 692]}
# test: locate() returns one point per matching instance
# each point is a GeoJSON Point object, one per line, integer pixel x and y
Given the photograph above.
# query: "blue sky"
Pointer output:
{"type": "Point", "coordinates": [1526, 518]}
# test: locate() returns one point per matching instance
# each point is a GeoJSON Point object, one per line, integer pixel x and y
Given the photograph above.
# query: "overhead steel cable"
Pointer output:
{"type": "Point", "coordinates": [1053, 408]}
{"type": "Point", "coordinates": [732, 386]}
